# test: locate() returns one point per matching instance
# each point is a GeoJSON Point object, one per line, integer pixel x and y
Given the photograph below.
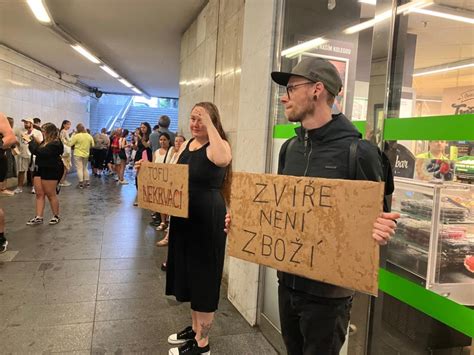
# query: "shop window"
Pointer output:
{"type": "Point", "coordinates": [432, 79]}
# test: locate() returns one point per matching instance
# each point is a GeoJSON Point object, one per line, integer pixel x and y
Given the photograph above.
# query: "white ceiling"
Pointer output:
{"type": "Point", "coordinates": [140, 39]}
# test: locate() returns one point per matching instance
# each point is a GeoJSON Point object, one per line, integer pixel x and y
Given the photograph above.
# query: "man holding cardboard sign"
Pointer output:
{"type": "Point", "coordinates": [315, 315]}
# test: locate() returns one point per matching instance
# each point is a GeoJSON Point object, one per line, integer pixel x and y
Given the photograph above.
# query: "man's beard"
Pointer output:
{"type": "Point", "coordinates": [300, 115]}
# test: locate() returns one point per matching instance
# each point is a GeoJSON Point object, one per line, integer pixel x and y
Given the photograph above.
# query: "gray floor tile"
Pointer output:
{"type": "Point", "coordinates": [125, 333]}
{"type": "Point", "coordinates": [39, 339]}
{"type": "Point", "coordinates": [18, 267]}
{"type": "Point", "coordinates": [52, 294]}
{"type": "Point", "coordinates": [112, 252]}
{"type": "Point", "coordinates": [130, 290]}
{"type": "Point", "coordinates": [61, 278]}
{"type": "Point", "coordinates": [9, 255]}
{"type": "Point", "coordinates": [128, 264]}
{"type": "Point", "coordinates": [137, 308]}
{"type": "Point", "coordinates": [241, 344]}
{"type": "Point", "coordinates": [129, 276]}
{"type": "Point", "coordinates": [51, 314]}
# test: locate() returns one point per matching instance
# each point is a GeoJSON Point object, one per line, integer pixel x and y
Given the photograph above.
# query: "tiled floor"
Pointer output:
{"type": "Point", "coordinates": [92, 283]}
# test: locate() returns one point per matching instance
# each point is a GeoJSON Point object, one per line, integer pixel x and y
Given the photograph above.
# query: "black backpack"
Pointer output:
{"type": "Point", "coordinates": [387, 174]}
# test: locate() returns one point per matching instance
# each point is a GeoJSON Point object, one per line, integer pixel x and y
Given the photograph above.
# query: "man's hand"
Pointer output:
{"type": "Point", "coordinates": [26, 137]}
{"type": "Point", "coordinates": [384, 227]}
{"type": "Point", "coordinates": [227, 222]}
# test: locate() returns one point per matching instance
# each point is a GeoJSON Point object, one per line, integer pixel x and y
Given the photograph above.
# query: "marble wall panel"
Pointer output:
{"type": "Point", "coordinates": [252, 132]}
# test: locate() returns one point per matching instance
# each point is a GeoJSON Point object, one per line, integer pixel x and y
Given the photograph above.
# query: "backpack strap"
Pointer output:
{"type": "Point", "coordinates": [353, 159]}
{"type": "Point", "coordinates": [284, 153]}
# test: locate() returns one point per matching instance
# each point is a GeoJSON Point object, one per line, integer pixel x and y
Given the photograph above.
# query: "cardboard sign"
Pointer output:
{"type": "Point", "coordinates": [317, 228]}
{"type": "Point", "coordinates": [164, 188]}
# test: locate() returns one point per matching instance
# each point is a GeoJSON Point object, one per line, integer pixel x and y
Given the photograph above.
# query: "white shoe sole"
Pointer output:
{"type": "Point", "coordinates": [175, 351]}
{"type": "Point", "coordinates": [173, 341]}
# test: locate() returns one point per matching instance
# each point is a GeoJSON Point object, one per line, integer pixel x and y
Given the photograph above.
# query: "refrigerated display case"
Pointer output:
{"type": "Point", "coordinates": [434, 241]}
{"type": "Point", "coordinates": [465, 169]}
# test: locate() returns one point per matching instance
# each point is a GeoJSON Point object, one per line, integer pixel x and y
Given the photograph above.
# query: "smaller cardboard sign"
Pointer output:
{"type": "Point", "coordinates": [320, 229]}
{"type": "Point", "coordinates": [164, 188]}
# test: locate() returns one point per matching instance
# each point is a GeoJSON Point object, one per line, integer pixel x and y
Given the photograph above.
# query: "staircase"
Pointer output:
{"type": "Point", "coordinates": [105, 109]}
{"type": "Point", "coordinates": [138, 114]}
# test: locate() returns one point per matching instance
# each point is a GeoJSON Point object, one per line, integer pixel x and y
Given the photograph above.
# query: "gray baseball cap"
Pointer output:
{"type": "Point", "coordinates": [314, 69]}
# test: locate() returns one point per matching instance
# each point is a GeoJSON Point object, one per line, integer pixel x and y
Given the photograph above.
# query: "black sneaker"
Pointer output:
{"type": "Point", "coordinates": [182, 337]}
{"type": "Point", "coordinates": [3, 246]}
{"type": "Point", "coordinates": [190, 348]}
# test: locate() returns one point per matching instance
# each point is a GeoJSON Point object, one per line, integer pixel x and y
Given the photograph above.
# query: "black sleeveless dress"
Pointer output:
{"type": "Point", "coordinates": [197, 244]}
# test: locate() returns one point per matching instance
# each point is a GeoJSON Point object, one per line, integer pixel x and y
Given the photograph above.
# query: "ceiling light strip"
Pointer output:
{"type": "Point", "coordinates": [442, 69]}
{"type": "Point", "coordinates": [303, 47]}
{"type": "Point", "coordinates": [126, 83]}
{"type": "Point", "coordinates": [39, 10]}
{"type": "Point", "coordinates": [80, 49]}
{"type": "Point", "coordinates": [444, 15]}
{"type": "Point", "coordinates": [109, 71]}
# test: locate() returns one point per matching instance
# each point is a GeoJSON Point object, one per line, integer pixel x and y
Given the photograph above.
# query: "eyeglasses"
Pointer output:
{"type": "Point", "coordinates": [291, 88]}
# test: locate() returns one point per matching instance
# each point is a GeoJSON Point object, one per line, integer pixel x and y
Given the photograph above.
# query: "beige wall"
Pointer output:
{"type": "Point", "coordinates": [28, 89]}
{"type": "Point", "coordinates": [210, 63]}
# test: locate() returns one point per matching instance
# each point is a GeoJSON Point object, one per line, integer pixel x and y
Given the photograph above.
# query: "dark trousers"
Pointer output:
{"type": "Point", "coordinates": [313, 325]}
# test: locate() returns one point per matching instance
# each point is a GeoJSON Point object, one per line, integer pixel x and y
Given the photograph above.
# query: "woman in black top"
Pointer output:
{"type": "Point", "coordinates": [48, 171]}
{"type": "Point", "coordinates": [143, 142]}
{"type": "Point", "coordinates": [197, 244]}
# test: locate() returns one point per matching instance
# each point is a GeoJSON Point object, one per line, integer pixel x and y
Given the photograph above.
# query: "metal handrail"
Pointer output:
{"type": "Point", "coordinates": [120, 115]}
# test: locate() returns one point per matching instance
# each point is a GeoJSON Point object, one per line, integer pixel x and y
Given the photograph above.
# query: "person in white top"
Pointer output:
{"type": "Point", "coordinates": [163, 155]}
{"type": "Point", "coordinates": [66, 157]}
{"type": "Point", "coordinates": [178, 142]}
{"type": "Point", "coordinates": [24, 158]}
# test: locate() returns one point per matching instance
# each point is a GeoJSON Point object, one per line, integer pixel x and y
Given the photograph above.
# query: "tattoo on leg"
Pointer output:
{"type": "Point", "coordinates": [205, 329]}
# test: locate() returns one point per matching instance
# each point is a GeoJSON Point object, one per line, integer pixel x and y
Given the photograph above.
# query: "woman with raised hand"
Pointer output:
{"type": "Point", "coordinates": [197, 244]}
{"type": "Point", "coordinates": [48, 171]}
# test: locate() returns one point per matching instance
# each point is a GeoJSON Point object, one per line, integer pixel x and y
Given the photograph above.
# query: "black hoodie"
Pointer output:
{"type": "Point", "coordinates": [324, 152]}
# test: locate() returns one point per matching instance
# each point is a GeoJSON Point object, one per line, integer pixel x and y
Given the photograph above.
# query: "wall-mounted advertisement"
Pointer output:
{"type": "Point", "coordinates": [458, 101]}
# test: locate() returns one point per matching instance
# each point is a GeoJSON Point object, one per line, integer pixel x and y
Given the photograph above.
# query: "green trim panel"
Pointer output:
{"type": "Point", "coordinates": [451, 128]}
{"type": "Point", "coordinates": [456, 316]}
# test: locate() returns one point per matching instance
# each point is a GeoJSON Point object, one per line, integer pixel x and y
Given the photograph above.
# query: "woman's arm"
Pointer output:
{"type": "Point", "coordinates": [9, 137]}
{"type": "Point", "coordinates": [219, 151]}
{"type": "Point", "coordinates": [71, 141]}
{"type": "Point", "coordinates": [145, 143]}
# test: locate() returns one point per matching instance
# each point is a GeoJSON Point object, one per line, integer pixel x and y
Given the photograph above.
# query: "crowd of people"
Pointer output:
{"type": "Point", "coordinates": [314, 315]}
